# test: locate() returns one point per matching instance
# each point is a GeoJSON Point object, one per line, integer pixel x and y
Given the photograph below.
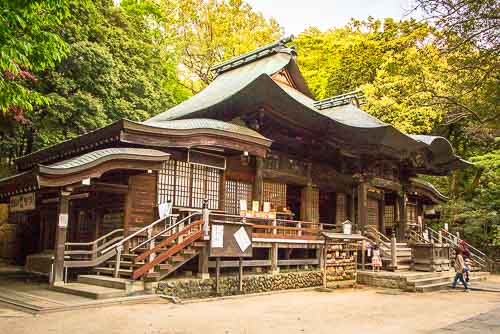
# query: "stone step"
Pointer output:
{"type": "Point", "coordinates": [444, 284]}
{"type": "Point", "coordinates": [90, 291]}
{"type": "Point", "coordinates": [111, 271]}
{"type": "Point", "coordinates": [110, 282]}
{"type": "Point", "coordinates": [429, 281]}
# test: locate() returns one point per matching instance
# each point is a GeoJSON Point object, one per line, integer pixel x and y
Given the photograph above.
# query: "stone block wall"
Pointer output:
{"type": "Point", "coordinates": [196, 288]}
{"type": "Point", "coordinates": [389, 280]}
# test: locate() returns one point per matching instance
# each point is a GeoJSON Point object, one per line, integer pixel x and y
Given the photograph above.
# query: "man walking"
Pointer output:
{"type": "Point", "coordinates": [459, 270]}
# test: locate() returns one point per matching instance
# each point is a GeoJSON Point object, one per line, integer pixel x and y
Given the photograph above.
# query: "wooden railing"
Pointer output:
{"type": "Point", "coordinates": [268, 228]}
{"type": "Point", "coordinates": [88, 254]}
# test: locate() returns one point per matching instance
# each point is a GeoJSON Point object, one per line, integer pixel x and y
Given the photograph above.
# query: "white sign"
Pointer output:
{"type": "Point", "coordinates": [242, 239]}
{"type": "Point", "coordinates": [217, 238]}
{"type": "Point", "coordinates": [243, 205]}
{"type": "Point", "coordinates": [63, 220]}
{"type": "Point", "coordinates": [267, 207]}
{"type": "Point", "coordinates": [164, 209]}
{"type": "Point", "coordinates": [23, 202]}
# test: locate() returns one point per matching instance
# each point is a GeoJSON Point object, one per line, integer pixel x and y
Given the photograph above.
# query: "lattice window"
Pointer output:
{"type": "Point", "coordinates": [166, 184]}
{"type": "Point", "coordinates": [212, 188]}
{"type": "Point", "coordinates": [182, 184]}
{"type": "Point", "coordinates": [187, 185]}
{"type": "Point", "coordinates": [373, 212]}
{"type": "Point", "coordinates": [234, 192]}
{"type": "Point", "coordinates": [389, 215]}
{"type": "Point", "coordinates": [341, 214]}
{"type": "Point", "coordinates": [275, 193]}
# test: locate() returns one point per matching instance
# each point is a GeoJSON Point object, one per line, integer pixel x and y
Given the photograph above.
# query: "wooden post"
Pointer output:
{"type": "Point", "coordinates": [363, 255]}
{"type": "Point", "coordinates": [382, 214]}
{"type": "Point", "coordinates": [394, 255]}
{"type": "Point", "coordinates": [203, 263]}
{"type": "Point", "coordinates": [440, 236]}
{"type": "Point", "coordinates": [323, 255]}
{"type": "Point", "coordinates": [217, 275]}
{"type": "Point", "coordinates": [118, 261]}
{"type": "Point", "coordinates": [61, 235]}
{"type": "Point", "coordinates": [206, 219]}
{"type": "Point", "coordinates": [151, 246]}
{"type": "Point", "coordinates": [362, 206]}
{"type": "Point", "coordinates": [258, 181]}
{"type": "Point", "coordinates": [403, 216]}
{"type": "Point", "coordinates": [240, 276]}
{"type": "Point", "coordinates": [273, 252]}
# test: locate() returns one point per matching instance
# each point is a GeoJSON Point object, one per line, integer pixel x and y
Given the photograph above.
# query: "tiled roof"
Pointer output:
{"type": "Point", "coordinates": [205, 123]}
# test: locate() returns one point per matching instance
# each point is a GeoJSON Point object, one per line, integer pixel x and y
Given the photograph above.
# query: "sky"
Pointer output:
{"type": "Point", "coordinates": [297, 15]}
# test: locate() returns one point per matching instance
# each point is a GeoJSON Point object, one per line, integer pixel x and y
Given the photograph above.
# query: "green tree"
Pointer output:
{"type": "Point", "coordinates": [207, 32]}
{"type": "Point", "coordinates": [117, 66]}
{"type": "Point", "coordinates": [28, 44]}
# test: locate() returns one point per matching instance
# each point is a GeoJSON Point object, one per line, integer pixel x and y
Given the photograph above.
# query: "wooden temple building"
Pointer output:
{"type": "Point", "coordinates": [255, 134]}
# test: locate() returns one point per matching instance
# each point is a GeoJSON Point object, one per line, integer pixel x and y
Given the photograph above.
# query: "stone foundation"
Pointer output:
{"type": "Point", "coordinates": [228, 285]}
{"type": "Point", "coordinates": [382, 280]}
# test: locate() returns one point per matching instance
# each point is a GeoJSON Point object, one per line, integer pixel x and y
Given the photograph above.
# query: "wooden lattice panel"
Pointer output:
{"type": "Point", "coordinates": [234, 192]}
{"type": "Point", "coordinates": [389, 215]}
{"type": "Point", "coordinates": [412, 213]}
{"type": "Point", "coordinates": [275, 193]}
{"type": "Point", "coordinates": [187, 185]}
{"type": "Point", "coordinates": [166, 182]}
{"type": "Point", "coordinates": [373, 212]}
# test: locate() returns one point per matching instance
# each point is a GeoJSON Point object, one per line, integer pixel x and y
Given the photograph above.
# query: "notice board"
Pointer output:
{"type": "Point", "coordinates": [230, 240]}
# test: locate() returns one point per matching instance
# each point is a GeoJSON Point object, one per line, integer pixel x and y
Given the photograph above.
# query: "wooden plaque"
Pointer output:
{"type": "Point", "coordinates": [230, 237]}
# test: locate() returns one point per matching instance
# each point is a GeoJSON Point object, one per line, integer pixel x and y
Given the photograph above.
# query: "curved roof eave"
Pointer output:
{"type": "Point", "coordinates": [94, 158]}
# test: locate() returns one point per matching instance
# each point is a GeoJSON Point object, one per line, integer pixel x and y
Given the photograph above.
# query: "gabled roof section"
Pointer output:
{"type": "Point", "coordinates": [247, 84]}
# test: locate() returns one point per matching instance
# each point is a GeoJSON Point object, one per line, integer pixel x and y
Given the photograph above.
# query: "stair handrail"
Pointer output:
{"type": "Point", "coordinates": [382, 238]}
{"type": "Point", "coordinates": [434, 236]}
{"type": "Point", "coordinates": [481, 259]}
{"type": "Point", "coordinates": [418, 237]}
{"type": "Point", "coordinates": [466, 243]}
{"type": "Point", "coordinates": [95, 241]}
{"type": "Point", "coordinates": [131, 236]}
{"type": "Point", "coordinates": [165, 230]}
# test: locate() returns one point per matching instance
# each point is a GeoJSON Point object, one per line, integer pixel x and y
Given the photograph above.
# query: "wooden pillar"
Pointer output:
{"type": "Point", "coordinates": [61, 235]}
{"type": "Point", "coordinates": [258, 181]}
{"type": "Point", "coordinates": [203, 263]}
{"type": "Point", "coordinates": [403, 216]}
{"type": "Point", "coordinates": [307, 206]}
{"type": "Point", "coordinates": [382, 214]}
{"type": "Point", "coordinates": [362, 206]}
{"type": "Point", "coordinates": [273, 254]}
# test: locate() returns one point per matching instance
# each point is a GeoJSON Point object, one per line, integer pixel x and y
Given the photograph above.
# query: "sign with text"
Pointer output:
{"type": "Point", "coordinates": [231, 240]}
{"type": "Point", "coordinates": [24, 202]}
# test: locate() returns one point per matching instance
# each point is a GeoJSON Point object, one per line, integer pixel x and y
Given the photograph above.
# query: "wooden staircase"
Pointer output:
{"type": "Point", "coordinates": [403, 250]}
{"type": "Point", "coordinates": [154, 257]}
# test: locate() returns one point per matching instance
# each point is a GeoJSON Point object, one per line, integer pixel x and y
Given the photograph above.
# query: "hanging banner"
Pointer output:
{"type": "Point", "coordinates": [24, 202]}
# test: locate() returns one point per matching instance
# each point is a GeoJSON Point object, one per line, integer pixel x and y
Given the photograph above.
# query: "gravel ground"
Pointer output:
{"type": "Point", "coordinates": [343, 311]}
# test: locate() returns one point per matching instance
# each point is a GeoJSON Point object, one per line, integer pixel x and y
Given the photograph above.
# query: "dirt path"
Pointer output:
{"type": "Point", "coordinates": [360, 311]}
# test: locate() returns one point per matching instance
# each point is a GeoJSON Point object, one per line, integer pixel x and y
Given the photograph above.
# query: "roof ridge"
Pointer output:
{"type": "Point", "coordinates": [251, 56]}
{"type": "Point", "coordinates": [338, 100]}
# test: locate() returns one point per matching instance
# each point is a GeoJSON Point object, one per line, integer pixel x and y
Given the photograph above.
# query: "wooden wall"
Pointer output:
{"type": "Point", "coordinates": [140, 209]}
